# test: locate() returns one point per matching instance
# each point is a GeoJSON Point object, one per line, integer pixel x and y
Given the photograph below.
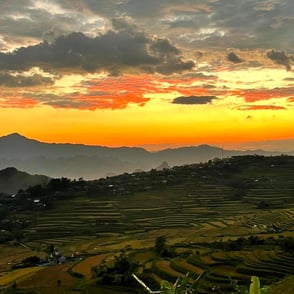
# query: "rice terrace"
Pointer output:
{"type": "Point", "coordinates": [226, 220]}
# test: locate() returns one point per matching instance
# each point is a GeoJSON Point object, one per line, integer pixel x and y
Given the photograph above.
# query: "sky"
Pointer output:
{"type": "Point", "coordinates": [156, 73]}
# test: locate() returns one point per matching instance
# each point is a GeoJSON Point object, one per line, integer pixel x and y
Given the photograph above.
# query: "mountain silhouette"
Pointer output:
{"type": "Point", "coordinates": [91, 162]}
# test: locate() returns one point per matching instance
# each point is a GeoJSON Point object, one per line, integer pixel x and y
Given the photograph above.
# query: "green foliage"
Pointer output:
{"type": "Point", "coordinates": [182, 285]}
{"type": "Point", "coordinates": [166, 287]}
{"type": "Point", "coordinates": [117, 273]}
{"type": "Point", "coordinates": [287, 244]}
{"type": "Point", "coordinates": [27, 262]}
{"type": "Point", "coordinates": [254, 286]}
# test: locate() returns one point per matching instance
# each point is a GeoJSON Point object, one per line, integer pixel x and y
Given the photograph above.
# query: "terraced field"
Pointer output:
{"type": "Point", "coordinates": [80, 219]}
{"type": "Point", "coordinates": [86, 218]}
{"type": "Point", "coordinates": [221, 267]}
{"type": "Point", "coordinates": [17, 275]}
{"type": "Point", "coordinates": [202, 204]}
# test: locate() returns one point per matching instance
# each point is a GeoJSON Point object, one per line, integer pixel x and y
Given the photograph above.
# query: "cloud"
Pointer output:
{"type": "Point", "coordinates": [289, 79]}
{"type": "Point", "coordinates": [93, 102]}
{"type": "Point", "coordinates": [15, 100]}
{"type": "Point", "coordinates": [189, 100]}
{"type": "Point", "coordinates": [253, 95]}
{"type": "Point", "coordinates": [261, 107]}
{"type": "Point", "coordinates": [16, 81]}
{"type": "Point", "coordinates": [85, 101]}
{"type": "Point", "coordinates": [93, 91]}
{"type": "Point", "coordinates": [89, 94]}
{"type": "Point", "coordinates": [281, 57]}
{"type": "Point", "coordinates": [114, 51]}
{"type": "Point", "coordinates": [174, 65]}
{"type": "Point", "coordinates": [102, 93]}
{"type": "Point", "coordinates": [46, 19]}
{"type": "Point", "coordinates": [234, 58]}
{"type": "Point", "coordinates": [217, 23]}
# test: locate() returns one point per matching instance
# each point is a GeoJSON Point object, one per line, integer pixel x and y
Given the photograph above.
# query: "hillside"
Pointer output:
{"type": "Point", "coordinates": [217, 193]}
{"type": "Point", "coordinates": [11, 180]}
{"type": "Point", "coordinates": [92, 162]}
{"type": "Point", "coordinates": [228, 218]}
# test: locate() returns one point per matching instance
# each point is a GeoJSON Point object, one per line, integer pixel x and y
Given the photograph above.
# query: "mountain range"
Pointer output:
{"type": "Point", "coordinates": [92, 162]}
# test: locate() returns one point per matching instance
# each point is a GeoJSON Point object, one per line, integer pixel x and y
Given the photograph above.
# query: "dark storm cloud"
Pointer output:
{"type": "Point", "coordinates": [234, 58]}
{"type": "Point", "coordinates": [113, 51]}
{"type": "Point", "coordinates": [189, 100]}
{"type": "Point", "coordinates": [8, 80]}
{"type": "Point", "coordinates": [281, 57]}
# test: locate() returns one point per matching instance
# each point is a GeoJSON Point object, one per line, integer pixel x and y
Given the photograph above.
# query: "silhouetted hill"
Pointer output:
{"type": "Point", "coordinates": [70, 160]}
{"type": "Point", "coordinates": [11, 180]}
{"type": "Point", "coordinates": [90, 162]}
{"type": "Point", "coordinates": [16, 145]}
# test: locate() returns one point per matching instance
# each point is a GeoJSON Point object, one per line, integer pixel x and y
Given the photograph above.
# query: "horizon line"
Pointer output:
{"type": "Point", "coordinates": [264, 145]}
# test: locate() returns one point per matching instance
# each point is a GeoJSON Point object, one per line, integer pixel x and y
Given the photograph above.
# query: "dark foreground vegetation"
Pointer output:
{"type": "Point", "coordinates": [229, 219]}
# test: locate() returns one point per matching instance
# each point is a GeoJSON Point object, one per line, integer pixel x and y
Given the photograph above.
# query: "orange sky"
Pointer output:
{"type": "Point", "coordinates": [145, 80]}
{"type": "Point", "coordinates": [139, 110]}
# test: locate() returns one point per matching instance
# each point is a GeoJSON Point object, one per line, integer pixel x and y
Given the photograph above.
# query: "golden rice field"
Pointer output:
{"type": "Point", "coordinates": [84, 267]}
{"type": "Point", "coordinates": [48, 277]}
{"type": "Point", "coordinates": [18, 275]}
{"type": "Point", "coordinates": [187, 267]}
{"type": "Point", "coordinates": [164, 266]}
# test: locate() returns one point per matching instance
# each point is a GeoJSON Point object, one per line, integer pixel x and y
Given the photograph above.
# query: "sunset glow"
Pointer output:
{"type": "Point", "coordinates": [115, 74]}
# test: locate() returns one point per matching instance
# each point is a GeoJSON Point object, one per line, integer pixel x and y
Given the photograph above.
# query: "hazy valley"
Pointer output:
{"type": "Point", "coordinates": [92, 162]}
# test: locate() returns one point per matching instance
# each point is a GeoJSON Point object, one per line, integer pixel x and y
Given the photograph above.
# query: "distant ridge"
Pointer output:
{"type": "Point", "coordinates": [92, 162]}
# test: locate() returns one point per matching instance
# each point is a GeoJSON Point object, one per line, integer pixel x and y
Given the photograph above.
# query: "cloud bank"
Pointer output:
{"type": "Point", "coordinates": [113, 51]}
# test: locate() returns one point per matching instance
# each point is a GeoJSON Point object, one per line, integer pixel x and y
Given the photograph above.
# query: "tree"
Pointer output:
{"type": "Point", "coordinates": [160, 245]}
{"type": "Point", "coordinates": [120, 272]}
